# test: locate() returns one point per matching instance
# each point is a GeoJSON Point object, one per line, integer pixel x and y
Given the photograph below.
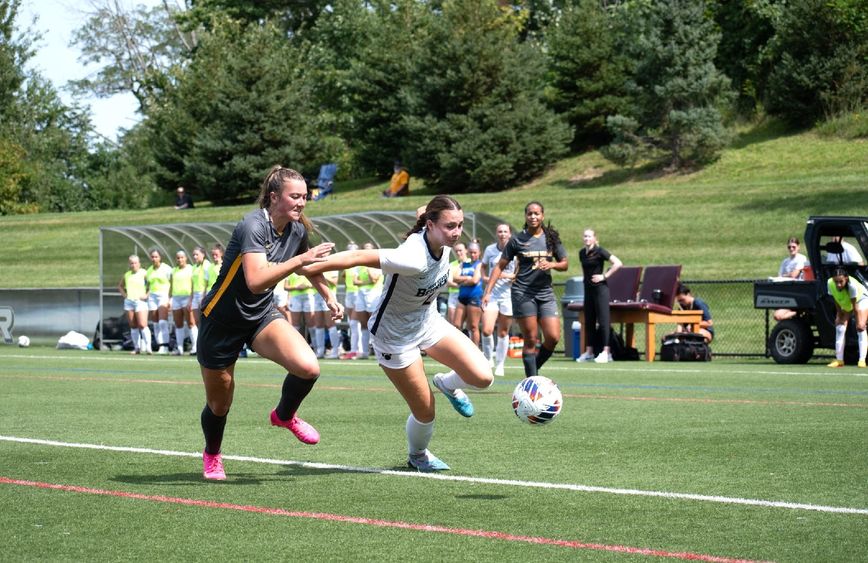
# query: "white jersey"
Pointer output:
{"type": "Point", "coordinates": [491, 257]}
{"type": "Point", "coordinates": [408, 305]}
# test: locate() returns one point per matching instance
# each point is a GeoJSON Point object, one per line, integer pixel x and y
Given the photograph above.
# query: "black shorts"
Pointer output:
{"type": "Point", "coordinates": [472, 301]}
{"type": "Point", "coordinates": [219, 344]}
{"type": "Point", "coordinates": [534, 306]}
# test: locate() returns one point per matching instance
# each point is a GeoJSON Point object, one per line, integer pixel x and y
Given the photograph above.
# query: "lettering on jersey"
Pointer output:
{"type": "Point", "coordinates": [424, 291]}
{"type": "Point", "coordinates": [536, 256]}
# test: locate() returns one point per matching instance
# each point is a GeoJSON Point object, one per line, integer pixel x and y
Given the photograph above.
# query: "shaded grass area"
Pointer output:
{"type": "Point", "coordinates": [734, 429]}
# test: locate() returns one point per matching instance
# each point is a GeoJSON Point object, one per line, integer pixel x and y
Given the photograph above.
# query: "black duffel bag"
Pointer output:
{"type": "Point", "coordinates": [685, 347]}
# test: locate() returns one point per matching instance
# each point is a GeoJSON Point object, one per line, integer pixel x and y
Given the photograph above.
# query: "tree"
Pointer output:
{"type": "Point", "coordinates": [819, 60]}
{"type": "Point", "coordinates": [474, 118]}
{"type": "Point", "coordinates": [587, 75]}
{"type": "Point", "coordinates": [677, 92]}
{"type": "Point", "coordinates": [243, 105]}
{"type": "Point", "coordinates": [140, 50]}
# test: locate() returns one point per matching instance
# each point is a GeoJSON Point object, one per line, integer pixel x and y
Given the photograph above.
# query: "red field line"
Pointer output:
{"type": "Point", "coordinates": [571, 544]}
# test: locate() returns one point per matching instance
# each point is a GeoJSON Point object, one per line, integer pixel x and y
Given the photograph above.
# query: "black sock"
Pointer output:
{"type": "Point", "coordinates": [295, 389]}
{"type": "Point", "coordinates": [529, 361]}
{"type": "Point", "coordinates": [212, 427]}
{"type": "Point", "coordinates": [542, 356]}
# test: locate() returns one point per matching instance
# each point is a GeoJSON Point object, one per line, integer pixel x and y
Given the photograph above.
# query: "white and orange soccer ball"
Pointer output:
{"type": "Point", "coordinates": [537, 400]}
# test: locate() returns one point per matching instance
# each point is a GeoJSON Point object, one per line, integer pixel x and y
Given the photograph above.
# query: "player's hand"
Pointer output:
{"type": "Point", "coordinates": [337, 310]}
{"type": "Point", "coordinates": [485, 299]}
{"type": "Point", "coordinates": [317, 254]}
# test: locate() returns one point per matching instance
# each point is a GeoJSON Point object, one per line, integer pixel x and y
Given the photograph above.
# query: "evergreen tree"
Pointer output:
{"type": "Point", "coordinates": [586, 75]}
{"type": "Point", "coordinates": [475, 120]}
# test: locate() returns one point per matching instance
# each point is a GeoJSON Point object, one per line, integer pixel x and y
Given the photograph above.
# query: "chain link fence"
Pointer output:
{"type": "Point", "coordinates": [739, 329]}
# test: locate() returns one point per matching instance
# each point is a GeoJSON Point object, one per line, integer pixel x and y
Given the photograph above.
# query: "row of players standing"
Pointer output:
{"type": "Point", "coordinates": [306, 309]}
{"type": "Point", "coordinates": [151, 294]}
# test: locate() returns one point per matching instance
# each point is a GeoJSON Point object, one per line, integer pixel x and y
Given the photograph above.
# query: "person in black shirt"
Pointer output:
{"type": "Point", "coordinates": [183, 199]}
{"type": "Point", "coordinates": [534, 305]}
{"type": "Point", "coordinates": [266, 246]}
{"type": "Point", "coordinates": [593, 258]}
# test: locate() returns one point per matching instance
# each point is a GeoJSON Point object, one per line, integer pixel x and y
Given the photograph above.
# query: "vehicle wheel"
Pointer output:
{"type": "Point", "coordinates": [791, 342]}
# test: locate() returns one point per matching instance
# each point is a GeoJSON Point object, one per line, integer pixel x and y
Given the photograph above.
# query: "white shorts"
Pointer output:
{"type": "Point", "coordinates": [157, 300]}
{"type": "Point", "coordinates": [280, 298]}
{"type": "Point", "coordinates": [181, 302]}
{"type": "Point", "coordinates": [135, 305]}
{"type": "Point", "coordinates": [433, 333]}
{"type": "Point", "coordinates": [452, 300]}
{"type": "Point", "coordinates": [367, 299]}
{"type": "Point", "coordinates": [197, 299]}
{"type": "Point", "coordinates": [350, 300]}
{"type": "Point", "coordinates": [301, 303]}
{"type": "Point", "coordinates": [503, 304]}
{"type": "Point", "coordinates": [319, 304]}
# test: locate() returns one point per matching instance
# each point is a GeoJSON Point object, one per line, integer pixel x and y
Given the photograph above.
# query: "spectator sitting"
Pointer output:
{"type": "Point", "coordinates": [849, 256]}
{"type": "Point", "coordinates": [399, 185]}
{"type": "Point", "coordinates": [690, 303]}
{"type": "Point", "coordinates": [183, 199]}
{"type": "Point", "coordinates": [792, 268]}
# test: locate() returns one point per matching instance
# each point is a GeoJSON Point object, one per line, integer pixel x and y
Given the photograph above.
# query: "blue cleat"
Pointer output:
{"type": "Point", "coordinates": [426, 462]}
{"type": "Point", "coordinates": [459, 399]}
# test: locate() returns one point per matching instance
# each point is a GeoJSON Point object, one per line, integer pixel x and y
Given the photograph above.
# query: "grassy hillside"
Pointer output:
{"type": "Point", "coordinates": [730, 220]}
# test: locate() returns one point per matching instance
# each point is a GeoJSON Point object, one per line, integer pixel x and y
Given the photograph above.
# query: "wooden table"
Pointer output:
{"type": "Point", "coordinates": [651, 319]}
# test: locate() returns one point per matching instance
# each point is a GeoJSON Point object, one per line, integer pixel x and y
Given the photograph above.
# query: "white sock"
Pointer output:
{"type": "Point", "coordinates": [840, 331]}
{"type": "Point", "coordinates": [335, 339]}
{"type": "Point", "coordinates": [319, 339]}
{"type": "Point", "coordinates": [418, 435]}
{"type": "Point", "coordinates": [863, 345]}
{"type": "Point", "coordinates": [487, 345]}
{"type": "Point", "coordinates": [180, 335]}
{"type": "Point", "coordinates": [162, 333]}
{"type": "Point", "coordinates": [135, 336]}
{"type": "Point", "coordinates": [146, 336]}
{"type": "Point", "coordinates": [501, 350]}
{"type": "Point", "coordinates": [366, 342]}
{"type": "Point", "coordinates": [194, 337]}
{"type": "Point", "coordinates": [355, 336]}
{"type": "Point", "coordinates": [452, 381]}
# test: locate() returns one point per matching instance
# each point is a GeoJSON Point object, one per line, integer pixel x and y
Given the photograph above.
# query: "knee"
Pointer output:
{"type": "Point", "coordinates": [220, 406]}
{"type": "Point", "coordinates": [860, 327]}
{"type": "Point", "coordinates": [306, 370]}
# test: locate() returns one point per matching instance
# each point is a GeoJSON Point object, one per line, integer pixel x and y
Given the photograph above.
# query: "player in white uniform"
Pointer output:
{"type": "Point", "coordinates": [406, 322]}
{"type": "Point", "coordinates": [498, 312]}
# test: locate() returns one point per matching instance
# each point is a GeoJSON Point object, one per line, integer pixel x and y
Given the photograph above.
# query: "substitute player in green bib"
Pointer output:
{"type": "Point", "coordinates": [851, 298]}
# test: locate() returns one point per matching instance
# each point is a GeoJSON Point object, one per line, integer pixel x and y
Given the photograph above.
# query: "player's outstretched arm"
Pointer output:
{"type": "Point", "coordinates": [344, 260]}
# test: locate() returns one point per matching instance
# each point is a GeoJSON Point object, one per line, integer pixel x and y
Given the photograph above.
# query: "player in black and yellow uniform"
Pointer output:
{"type": "Point", "coordinates": [266, 246]}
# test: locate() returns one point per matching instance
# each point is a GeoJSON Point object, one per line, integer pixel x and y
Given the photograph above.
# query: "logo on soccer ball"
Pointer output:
{"type": "Point", "coordinates": [537, 400]}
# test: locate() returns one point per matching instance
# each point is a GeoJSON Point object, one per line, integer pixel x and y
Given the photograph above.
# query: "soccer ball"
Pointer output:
{"type": "Point", "coordinates": [537, 400]}
{"type": "Point", "coordinates": [23, 341]}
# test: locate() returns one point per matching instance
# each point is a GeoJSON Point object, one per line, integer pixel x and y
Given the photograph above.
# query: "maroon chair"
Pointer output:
{"type": "Point", "coordinates": [658, 289]}
{"type": "Point", "coordinates": [623, 286]}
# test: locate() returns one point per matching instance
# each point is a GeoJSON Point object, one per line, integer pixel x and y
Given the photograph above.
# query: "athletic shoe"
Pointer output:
{"type": "Point", "coordinates": [861, 364]}
{"type": "Point", "coordinates": [212, 467]}
{"type": "Point", "coordinates": [491, 362]}
{"type": "Point", "coordinates": [301, 429]}
{"type": "Point", "coordinates": [586, 357]}
{"type": "Point", "coordinates": [603, 358]}
{"type": "Point", "coordinates": [176, 352]}
{"type": "Point", "coordinates": [498, 371]}
{"type": "Point", "coordinates": [426, 462]}
{"type": "Point", "coordinates": [836, 364]}
{"type": "Point", "coordinates": [349, 356]}
{"type": "Point", "coordinates": [459, 399]}
{"type": "Point", "coordinates": [163, 351]}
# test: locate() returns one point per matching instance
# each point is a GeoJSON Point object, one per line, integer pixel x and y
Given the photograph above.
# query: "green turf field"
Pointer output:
{"type": "Point", "coordinates": [100, 460]}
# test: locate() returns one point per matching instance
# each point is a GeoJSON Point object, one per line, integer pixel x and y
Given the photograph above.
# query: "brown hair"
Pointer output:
{"type": "Point", "coordinates": [793, 240]}
{"type": "Point", "coordinates": [433, 210]}
{"type": "Point", "coordinates": [275, 179]}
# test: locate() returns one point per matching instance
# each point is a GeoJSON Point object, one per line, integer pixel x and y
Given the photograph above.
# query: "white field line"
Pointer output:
{"type": "Point", "coordinates": [458, 478]}
{"type": "Point", "coordinates": [629, 367]}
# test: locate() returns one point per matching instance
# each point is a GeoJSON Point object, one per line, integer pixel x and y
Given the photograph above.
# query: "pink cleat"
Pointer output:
{"type": "Point", "coordinates": [301, 429]}
{"type": "Point", "coordinates": [212, 467]}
